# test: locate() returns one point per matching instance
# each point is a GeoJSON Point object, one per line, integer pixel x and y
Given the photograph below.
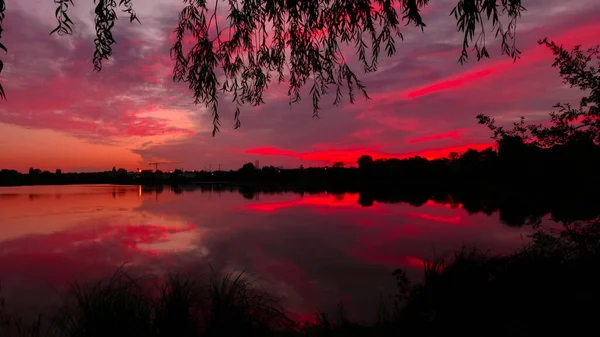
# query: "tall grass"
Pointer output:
{"type": "Point", "coordinates": [178, 306]}
{"type": "Point", "coordinates": [13, 326]}
{"type": "Point", "coordinates": [237, 308]}
{"type": "Point", "coordinates": [550, 287]}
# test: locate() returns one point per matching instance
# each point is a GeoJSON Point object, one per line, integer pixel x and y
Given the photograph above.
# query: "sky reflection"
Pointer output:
{"type": "Point", "coordinates": [312, 250]}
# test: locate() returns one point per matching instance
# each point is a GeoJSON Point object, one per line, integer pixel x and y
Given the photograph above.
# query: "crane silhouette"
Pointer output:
{"type": "Point", "coordinates": [163, 163]}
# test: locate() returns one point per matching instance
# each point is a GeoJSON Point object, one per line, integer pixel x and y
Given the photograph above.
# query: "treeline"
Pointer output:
{"type": "Point", "coordinates": [115, 176]}
{"type": "Point", "coordinates": [514, 165]}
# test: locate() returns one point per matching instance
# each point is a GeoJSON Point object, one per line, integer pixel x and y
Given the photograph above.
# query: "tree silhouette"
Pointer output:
{"type": "Point", "coordinates": [294, 41]}
{"type": "Point", "coordinates": [33, 171]}
{"type": "Point", "coordinates": [364, 161]}
{"type": "Point", "coordinates": [248, 167]}
{"type": "Point", "coordinates": [569, 125]}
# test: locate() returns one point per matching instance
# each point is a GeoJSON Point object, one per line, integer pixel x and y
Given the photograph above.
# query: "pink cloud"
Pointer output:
{"type": "Point", "coordinates": [351, 155]}
{"type": "Point", "coordinates": [65, 95]}
{"type": "Point", "coordinates": [455, 134]}
{"type": "Point", "coordinates": [450, 83]}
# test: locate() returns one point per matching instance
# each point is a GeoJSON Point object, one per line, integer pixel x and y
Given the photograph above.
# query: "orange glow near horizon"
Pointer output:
{"type": "Point", "coordinates": [50, 150]}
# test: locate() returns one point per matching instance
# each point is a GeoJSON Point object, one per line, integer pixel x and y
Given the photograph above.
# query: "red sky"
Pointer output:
{"type": "Point", "coordinates": [60, 114]}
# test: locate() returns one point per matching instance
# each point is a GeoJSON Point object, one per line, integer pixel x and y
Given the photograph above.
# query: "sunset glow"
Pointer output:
{"type": "Point", "coordinates": [60, 114]}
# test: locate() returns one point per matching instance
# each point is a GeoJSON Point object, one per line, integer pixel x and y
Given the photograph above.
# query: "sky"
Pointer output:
{"type": "Point", "coordinates": [61, 114]}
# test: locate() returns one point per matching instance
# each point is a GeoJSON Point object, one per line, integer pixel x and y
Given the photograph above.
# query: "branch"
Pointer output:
{"type": "Point", "coordinates": [310, 32]}
{"type": "Point", "coordinates": [2, 15]}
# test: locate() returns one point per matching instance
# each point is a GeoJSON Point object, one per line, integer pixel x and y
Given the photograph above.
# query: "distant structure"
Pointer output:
{"type": "Point", "coordinates": [163, 163]}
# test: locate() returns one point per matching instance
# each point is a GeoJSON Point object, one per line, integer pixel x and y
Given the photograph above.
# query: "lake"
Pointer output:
{"type": "Point", "coordinates": [314, 251]}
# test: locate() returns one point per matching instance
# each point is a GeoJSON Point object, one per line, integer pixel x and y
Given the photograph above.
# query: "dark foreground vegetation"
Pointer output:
{"type": "Point", "coordinates": [548, 287]}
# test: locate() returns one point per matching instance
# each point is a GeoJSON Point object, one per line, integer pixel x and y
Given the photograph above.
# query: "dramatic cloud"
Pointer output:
{"type": "Point", "coordinates": [349, 156]}
{"type": "Point", "coordinates": [423, 102]}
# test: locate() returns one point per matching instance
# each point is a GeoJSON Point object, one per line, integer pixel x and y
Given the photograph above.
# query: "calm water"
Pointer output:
{"type": "Point", "coordinates": [313, 250]}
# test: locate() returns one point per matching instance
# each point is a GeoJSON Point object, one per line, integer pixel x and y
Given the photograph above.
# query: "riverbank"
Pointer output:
{"type": "Point", "coordinates": [548, 287]}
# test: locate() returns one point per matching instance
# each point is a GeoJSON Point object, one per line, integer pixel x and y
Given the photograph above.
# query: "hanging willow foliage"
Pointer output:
{"type": "Point", "coordinates": [298, 41]}
{"type": "Point", "coordinates": [2, 15]}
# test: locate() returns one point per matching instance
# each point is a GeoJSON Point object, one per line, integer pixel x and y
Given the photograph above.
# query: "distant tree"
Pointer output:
{"type": "Point", "coordinates": [364, 161]}
{"type": "Point", "coordinates": [511, 146]}
{"type": "Point", "coordinates": [471, 155]}
{"type": "Point", "coordinates": [177, 172]}
{"type": "Point", "coordinates": [114, 170]}
{"type": "Point", "coordinates": [122, 171]}
{"type": "Point", "coordinates": [240, 59]}
{"type": "Point", "coordinates": [147, 174]}
{"type": "Point", "coordinates": [338, 164]}
{"type": "Point", "coordinates": [488, 153]}
{"type": "Point", "coordinates": [453, 156]}
{"type": "Point", "coordinates": [269, 169]}
{"type": "Point", "coordinates": [58, 172]}
{"type": "Point", "coordinates": [248, 167]}
{"type": "Point", "coordinates": [568, 124]}
{"type": "Point", "coordinates": [158, 172]}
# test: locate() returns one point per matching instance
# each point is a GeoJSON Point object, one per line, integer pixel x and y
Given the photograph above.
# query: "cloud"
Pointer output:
{"type": "Point", "coordinates": [455, 134]}
{"type": "Point", "coordinates": [50, 85]}
{"type": "Point", "coordinates": [447, 84]}
{"type": "Point", "coordinates": [351, 155]}
{"type": "Point", "coordinates": [420, 96]}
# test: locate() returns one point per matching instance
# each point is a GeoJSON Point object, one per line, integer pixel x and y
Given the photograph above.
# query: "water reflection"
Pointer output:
{"type": "Point", "coordinates": [313, 249]}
